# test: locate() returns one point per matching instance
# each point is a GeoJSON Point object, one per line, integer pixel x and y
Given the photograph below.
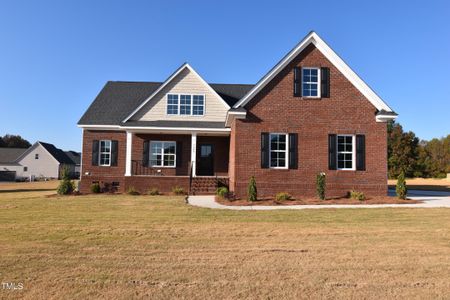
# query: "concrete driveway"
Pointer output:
{"type": "Point", "coordinates": [431, 199]}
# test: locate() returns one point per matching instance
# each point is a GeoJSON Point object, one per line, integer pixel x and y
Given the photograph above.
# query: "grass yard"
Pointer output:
{"type": "Point", "coordinates": [124, 247]}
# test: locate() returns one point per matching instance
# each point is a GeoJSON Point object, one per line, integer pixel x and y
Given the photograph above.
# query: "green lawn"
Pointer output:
{"type": "Point", "coordinates": [158, 247]}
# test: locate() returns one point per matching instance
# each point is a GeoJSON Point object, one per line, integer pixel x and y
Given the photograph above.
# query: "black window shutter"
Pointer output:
{"type": "Point", "coordinates": [325, 82]}
{"type": "Point", "coordinates": [293, 150]}
{"type": "Point", "coordinates": [332, 152]}
{"type": "Point", "coordinates": [95, 151]}
{"type": "Point", "coordinates": [264, 150]}
{"type": "Point", "coordinates": [179, 153]}
{"type": "Point", "coordinates": [114, 152]}
{"type": "Point", "coordinates": [360, 152]}
{"type": "Point", "coordinates": [297, 82]}
{"type": "Point", "coordinates": [145, 154]}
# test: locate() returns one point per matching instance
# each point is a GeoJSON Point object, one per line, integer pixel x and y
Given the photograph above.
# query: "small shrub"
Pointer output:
{"type": "Point", "coordinates": [66, 185]}
{"type": "Point", "coordinates": [252, 193]}
{"type": "Point", "coordinates": [132, 191]}
{"type": "Point", "coordinates": [222, 192]}
{"type": "Point", "coordinates": [153, 192]}
{"type": "Point", "coordinates": [401, 189]}
{"type": "Point", "coordinates": [357, 195]}
{"type": "Point", "coordinates": [283, 196]}
{"type": "Point", "coordinates": [320, 185]}
{"type": "Point", "coordinates": [65, 188]}
{"type": "Point", "coordinates": [95, 188]}
{"type": "Point", "coordinates": [178, 190]}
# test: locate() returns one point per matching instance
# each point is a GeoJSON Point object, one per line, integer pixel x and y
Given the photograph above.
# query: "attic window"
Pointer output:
{"type": "Point", "coordinates": [36, 156]}
{"type": "Point", "coordinates": [310, 82]}
{"type": "Point", "coordinates": [185, 104]}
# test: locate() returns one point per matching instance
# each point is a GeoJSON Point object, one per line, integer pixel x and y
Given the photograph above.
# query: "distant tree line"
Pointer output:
{"type": "Point", "coordinates": [416, 158]}
{"type": "Point", "coordinates": [13, 141]}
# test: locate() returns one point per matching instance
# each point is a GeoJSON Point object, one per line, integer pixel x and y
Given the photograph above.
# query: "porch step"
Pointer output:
{"type": "Point", "coordinates": [207, 185]}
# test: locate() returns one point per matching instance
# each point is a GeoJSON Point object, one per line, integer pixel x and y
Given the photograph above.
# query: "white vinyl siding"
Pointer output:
{"type": "Point", "coordinates": [185, 83]}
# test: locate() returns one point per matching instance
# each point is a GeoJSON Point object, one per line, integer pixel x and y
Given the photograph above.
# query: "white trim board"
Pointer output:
{"type": "Point", "coordinates": [313, 38]}
{"type": "Point", "coordinates": [168, 80]}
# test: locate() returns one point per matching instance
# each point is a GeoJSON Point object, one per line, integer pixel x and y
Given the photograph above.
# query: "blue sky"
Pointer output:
{"type": "Point", "coordinates": [55, 56]}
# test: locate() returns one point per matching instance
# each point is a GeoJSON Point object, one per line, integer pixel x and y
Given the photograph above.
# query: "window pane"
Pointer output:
{"type": "Point", "coordinates": [185, 104]}
{"type": "Point", "coordinates": [348, 164]}
{"type": "Point", "coordinates": [172, 104]}
{"type": "Point", "coordinates": [169, 148]}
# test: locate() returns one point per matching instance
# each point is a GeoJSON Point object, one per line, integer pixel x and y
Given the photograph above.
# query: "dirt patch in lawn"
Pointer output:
{"type": "Point", "coordinates": [315, 201]}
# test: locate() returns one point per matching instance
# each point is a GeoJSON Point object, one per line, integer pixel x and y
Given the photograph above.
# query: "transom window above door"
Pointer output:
{"type": "Point", "coordinates": [185, 104]}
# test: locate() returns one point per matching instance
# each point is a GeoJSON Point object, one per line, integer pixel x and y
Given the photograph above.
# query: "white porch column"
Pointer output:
{"type": "Point", "coordinates": [194, 152]}
{"type": "Point", "coordinates": [128, 154]}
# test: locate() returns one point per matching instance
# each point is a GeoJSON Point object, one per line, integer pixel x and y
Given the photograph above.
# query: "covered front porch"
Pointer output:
{"type": "Point", "coordinates": [192, 160]}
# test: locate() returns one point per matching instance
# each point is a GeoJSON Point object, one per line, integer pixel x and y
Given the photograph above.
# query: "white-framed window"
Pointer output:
{"type": "Point", "coordinates": [198, 105]}
{"type": "Point", "coordinates": [278, 150]}
{"type": "Point", "coordinates": [345, 152]}
{"type": "Point", "coordinates": [172, 104]}
{"type": "Point", "coordinates": [185, 104]}
{"type": "Point", "coordinates": [36, 156]}
{"type": "Point", "coordinates": [311, 82]}
{"type": "Point", "coordinates": [104, 153]}
{"type": "Point", "coordinates": [163, 154]}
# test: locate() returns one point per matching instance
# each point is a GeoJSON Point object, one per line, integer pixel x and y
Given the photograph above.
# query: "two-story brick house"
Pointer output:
{"type": "Point", "coordinates": [309, 114]}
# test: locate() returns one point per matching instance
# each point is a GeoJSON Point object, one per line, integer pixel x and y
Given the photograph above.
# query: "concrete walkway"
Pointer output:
{"type": "Point", "coordinates": [431, 199]}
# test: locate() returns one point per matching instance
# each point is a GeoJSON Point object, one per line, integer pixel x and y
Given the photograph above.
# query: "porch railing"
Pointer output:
{"type": "Point", "coordinates": [138, 168]}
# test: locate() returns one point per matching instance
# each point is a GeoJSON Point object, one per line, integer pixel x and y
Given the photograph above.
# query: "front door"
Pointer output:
{"type": "Point", "coordinates": [205, 164]}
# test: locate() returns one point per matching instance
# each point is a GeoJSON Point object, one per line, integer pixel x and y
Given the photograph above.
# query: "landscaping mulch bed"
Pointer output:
{"type": "Point", "coordinates": [316, 201]}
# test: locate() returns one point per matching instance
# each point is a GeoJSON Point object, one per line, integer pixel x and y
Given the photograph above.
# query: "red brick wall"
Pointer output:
{"type": "Point", "coordinates": [166, 181]}
{"type": "Point", "coordinates": [163, 183]}
{"type": "Point", "coordinates": [275, 109]}
{"type": "Point", "coordinates": [99, 173]}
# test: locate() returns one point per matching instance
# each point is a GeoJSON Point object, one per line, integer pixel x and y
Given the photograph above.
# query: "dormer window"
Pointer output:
{"type": "Point", "coordinates": [185, 104]}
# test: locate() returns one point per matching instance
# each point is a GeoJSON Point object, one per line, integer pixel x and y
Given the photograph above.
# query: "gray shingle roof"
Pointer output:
{"type": "Point", "coordinates": [10, 155]}
{"type": "Point", "coordinates": [176, 124]}
{"type": "Point", "coordinates": [58, 154]}
{"type": "Point", "coordinates": [118, 99]}
{"type": "Point", "coordinates": [74, 156]}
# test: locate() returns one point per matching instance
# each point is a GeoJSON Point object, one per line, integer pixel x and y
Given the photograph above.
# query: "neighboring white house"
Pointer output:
{"type": "Point", "coordinates": [42, 160]}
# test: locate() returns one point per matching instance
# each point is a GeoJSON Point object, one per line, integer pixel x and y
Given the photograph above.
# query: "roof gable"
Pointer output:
{"type": "Point", "coordinates": [313, 38]}
{"type": "Point", "coordinates": [57, 154]}
{"type": "Point", "coordinates": [184, 70]}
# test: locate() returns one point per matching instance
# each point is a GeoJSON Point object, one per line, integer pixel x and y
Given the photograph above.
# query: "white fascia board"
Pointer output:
{"type": "Point", "coordinates": [231, 115]}
{"type": "Point", "coordinates": [155, 129]}
{"type": "Point", "coordinates": [178, 129]}
{"type": "Point", "coordinates": [99, 127]}
{"type": "Point", "coordinates": [385, 118]}
{"type": "Point", "coordinates": [313, 38]}
{"type": "Point", "coordinates": [168, 80]}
